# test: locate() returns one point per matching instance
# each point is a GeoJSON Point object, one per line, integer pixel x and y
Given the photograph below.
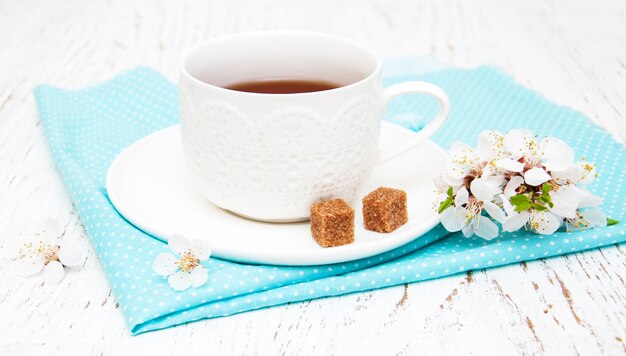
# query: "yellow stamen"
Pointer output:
{"type": "Point", "coordinates": [49, 251]}
{"type": "Point", "coordinates": [188, 262]}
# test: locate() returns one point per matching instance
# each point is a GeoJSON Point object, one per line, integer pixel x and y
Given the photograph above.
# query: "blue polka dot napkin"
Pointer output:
{"type": "Point", "coordinates": [87, 128]}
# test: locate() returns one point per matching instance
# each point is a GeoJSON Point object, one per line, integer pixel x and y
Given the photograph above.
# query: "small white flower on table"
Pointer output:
{"type": "Point", "coordinates": [49, 253]}
{"type": "Point", "coordinates": [186, 271]}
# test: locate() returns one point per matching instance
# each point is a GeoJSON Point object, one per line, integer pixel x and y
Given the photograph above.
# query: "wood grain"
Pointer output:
{"type": "Point", "coordinates": [572, 52]}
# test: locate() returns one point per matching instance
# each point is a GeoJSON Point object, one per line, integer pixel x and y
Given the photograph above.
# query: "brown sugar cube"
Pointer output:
{"type": "Point", "coordinates": [384, 209]}
{"type": "Point", "coordinates": [332, 223]}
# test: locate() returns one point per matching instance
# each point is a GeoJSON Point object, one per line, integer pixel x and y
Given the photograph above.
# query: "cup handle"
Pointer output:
{"type": "Point", "coordinates": [441, 117]}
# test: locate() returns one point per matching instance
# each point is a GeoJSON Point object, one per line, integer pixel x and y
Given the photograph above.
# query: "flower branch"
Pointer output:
{"type": "Point", "coordinates": [520, 182]}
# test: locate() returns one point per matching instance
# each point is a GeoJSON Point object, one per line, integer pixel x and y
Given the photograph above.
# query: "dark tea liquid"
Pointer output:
{"type": "Point", "coordinates": [282, 86]}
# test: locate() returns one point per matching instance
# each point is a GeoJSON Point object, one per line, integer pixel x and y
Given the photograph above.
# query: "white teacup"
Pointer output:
{"type": "Point", "coordinates": [270, 156]}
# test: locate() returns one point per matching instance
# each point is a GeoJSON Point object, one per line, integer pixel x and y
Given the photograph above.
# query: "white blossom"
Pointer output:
{"type": "Point", "coordinates": [543, 222]}
{"type": "Point", "coordinates": [462, 161]}
{"type": "Point", "coordinates": [466, 216]}
{"type": "Point", "coordinates": [184, 271]}
{"type": "Point", "coordinates": [50, 253]}
{"type": "Point", "coordinates": [587, 219]}
{"type": "Point", "coordinates": [492, 152]}
{"type": "Point", "coordinates": [520, 182]}
{"type": "Point", "coordinates": [511, 187]}
{"type": "Point", "coordinates": [566, 200]}
{"type": "Point", "coordinates": [548, 155]}
{"type": "Point", "coordinates": [536, 176]}
{"type": "Point", "coordinates": [581, 173]}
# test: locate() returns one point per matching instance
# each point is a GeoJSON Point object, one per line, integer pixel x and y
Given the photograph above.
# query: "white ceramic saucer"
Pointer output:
{"type": "Point", "coordinates": [149, 184]}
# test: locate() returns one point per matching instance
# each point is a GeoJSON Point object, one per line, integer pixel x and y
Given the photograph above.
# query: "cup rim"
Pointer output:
{"type": "Point", "coordinates": [191, 51]}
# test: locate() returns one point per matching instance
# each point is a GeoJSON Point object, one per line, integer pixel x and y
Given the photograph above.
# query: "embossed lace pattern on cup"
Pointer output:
{"type": "Point", "coordinates": [288, 156]}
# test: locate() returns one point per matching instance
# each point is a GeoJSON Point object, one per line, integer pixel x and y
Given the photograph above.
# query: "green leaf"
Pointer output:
{"type": "Point", "coordinates": [516, 200]}
{"type": "Point", "coordinates": [523, 206]}
{"type": "Point", "coordinates": [450, 192]}
{"type": "Point", "coordinates": [445, 205]}
{"type": "Point", "coordinates": [545, 198]}
{"type": "Point", "coordinates": [551, 204]}
{"type": "Point", "coordinates": [539, 207]}
{"type": "Point", "coordinates": [545, 189]}
{"type": "Point", "coordinates": [611, 222]}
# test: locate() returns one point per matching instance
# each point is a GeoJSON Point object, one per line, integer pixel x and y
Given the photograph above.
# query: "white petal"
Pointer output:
{"type": "Point", "coordinates": [496, 181]}
{"type": "Point", "coordinates": [201, 249]}
{"type": "Point", "coordinates": [515, 142]}
{"type": "Point", "coordinates": [459, 149]}
{"type": "Point", "coordinates": [440, 183]}
{"type": "Point", "coordinates": [462, 197]}
{"type": "Point", "coordinates": [536, 176]}
{"type": "Point", "coordinates": [595, 217]}
{"type": "Point", "coordinates": [490, 169]}
{"type": "Point", "coordinates": [468, 231]}
{"type": "Point", "coordinates": [515, 221]}
{"type": "Point", "coordinates": [53, 272]}
{"type": "Point", "coordinates": [50, 231]}
{"type": "Point", "coordinates": [440, 198]}
{"type": "Point", "coordinates": [481, 190]}
{"type": "Point", "coordinates": [547, 223]}
{"type": "Point", "coordinates": [587, 172]}
{"type": "Point", "coordinates": [70, 253]}
{"type": "Point", "coordinates": [29, 265]}
{"type": "Point", "coordinates": [165, 264]}
{"type": "Point", "coordinates": [510, 165]}
{"type": "Point", "coordinates": [488, 142]}
{"type": "Point", "coordinates": [484, 189]}
{"type": "Point", "coordinates": [494, 211]}
{"type": "Point", "coordinates": [571, 174]}
{"type": "Point", "coordinates": [180, 281]}
{"type": "Point", "coordinates": [454, 173]}
{"type": "Point", "coordinates": [557, 155]}
{"type": "Point", "coordinates": [486, 228]}
{"type": "Point", "coordinates": [566, 201]}
{"type": "Point", "coordinates": [512, 185]}
{"type": "Point", "coordinates": [508, 207]}
{"type": "Point", "coordinates": [462, 158]}
{"type": "Point", "coordinates": [587, 199]}
{"type": "Point", "coordinates": [453, 219]}
{"type": "Point", "coordinates": [199, 276]}
{"type": "Point", "coordinates": [452, 181]}
{"type": "Point", "coordinates": [179, 244]}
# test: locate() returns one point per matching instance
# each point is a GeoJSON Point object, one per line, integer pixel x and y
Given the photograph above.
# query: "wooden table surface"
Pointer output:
{"type": "Point", "coordinates": [573, 52]}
